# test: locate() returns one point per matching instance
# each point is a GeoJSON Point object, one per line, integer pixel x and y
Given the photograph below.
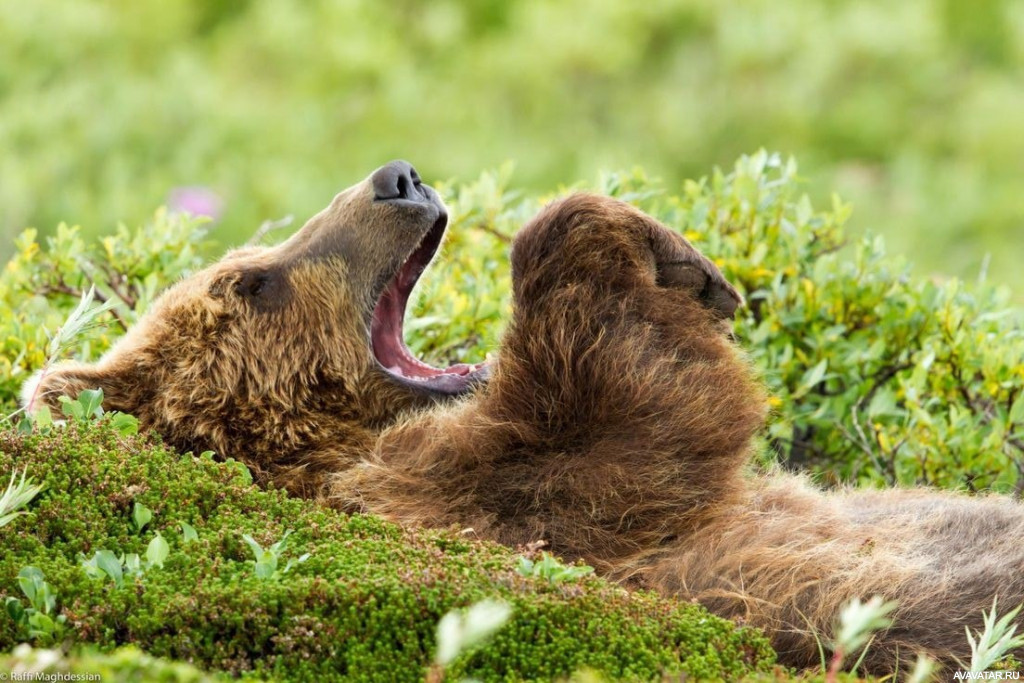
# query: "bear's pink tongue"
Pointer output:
{"type": "Point", "coordinates": [386, 337]}
{"type": "Point", "coordinates": [386, 342]}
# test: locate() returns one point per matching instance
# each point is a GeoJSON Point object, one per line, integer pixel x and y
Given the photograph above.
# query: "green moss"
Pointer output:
{"type": "Point", "coordinates": [363, 607]}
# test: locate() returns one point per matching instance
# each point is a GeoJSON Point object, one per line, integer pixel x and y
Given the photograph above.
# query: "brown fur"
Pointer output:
{"type": "Point", "coordinates": [617, 425]}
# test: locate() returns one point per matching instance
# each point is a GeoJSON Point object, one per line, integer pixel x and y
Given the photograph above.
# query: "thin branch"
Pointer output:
{"type": "Point", "coordinates": [860, 442]}
{"type": "Point", "coordinates": [882, 377]}
{"type": "Point", "coordinates": [114, 280]}
{"type": "Point", "coordinates": [1018, 487]}
{"type": "Point", "coordinates": [491, 231]}
{"type": "Point", "coordinates": [63, 287]}
{"type": "Point", "coordinates": [267, 227]}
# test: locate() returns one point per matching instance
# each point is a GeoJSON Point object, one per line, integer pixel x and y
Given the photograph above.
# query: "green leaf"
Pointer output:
{"type": "Point", "coordinates": [461, 630]}
{"type": "Point", "coordinates": [188, 533]}
{"type": "Point", "coordinates": [111, 566]}
{"type": "Point", "coordinates": [255, 547]}
{"type": "Point", "coordinates": [883, 403]}
{"type": "Point", "coordinates": [43, 418]}
{"type": "Point", "coordinates": [15, 610]}
{"type": "Point", "coordinates": [811, 378]}
{"type": "Point", "coordinates": [141, 516]}
{"type": "Point", "coordinates": [265, 570]}
{"type": "Point", "coordinates": [292, 563]}
{"type": "Point", "coordinates": [157, 551]}
{"type": "Point", "coordinates": [268, 558]}
{"type": "Point", "coordinates": [25, 425]}
{"type": "Point", "coordinates": [125, 424]}
{"type": "Point", "coordinates": [132, 564]}
{"type": "Point", "coordinates": [30, 580]}
{"type": "Point", "coordinates": [45, 600]}
{"type": "Point", "coordinates": [240, 468]}
{"type": "Point", "coordinates": [40, 625]}
{"type": "Point", "coordinates": [1016, 413]}
{"type": "Point", "coordinates": [279, 547]}
{"type": "Point", "coordinates": [90, 567]}
{"type": "Point", "coordinates": [72, 409]}
{"type": "Point", "coordinates": [91, 401]}
{"type": "Point", "coordinates": [17, 495]}
{"type": "Point", "coordinates": [551, 568]}
{"type": "Point", "coordinates": [525, 566]}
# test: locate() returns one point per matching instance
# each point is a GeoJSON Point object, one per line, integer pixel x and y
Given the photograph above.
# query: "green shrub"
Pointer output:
{"type": "Point", "coordinates": [364, 605]}
{"type": "Point", "coordinates": [45, 280]}
{"type": "Point", "coordinates": [877, 376]}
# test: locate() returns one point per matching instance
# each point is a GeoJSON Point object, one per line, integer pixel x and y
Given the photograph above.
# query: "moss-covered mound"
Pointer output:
{"type": "Point", "coordinates": [363, 606]}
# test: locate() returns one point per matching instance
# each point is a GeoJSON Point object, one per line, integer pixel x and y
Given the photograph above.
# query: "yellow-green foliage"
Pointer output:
{"type": "Point", "coordinates": [45, 278]}
{"type": "Point", "coordinates": [363, 606]}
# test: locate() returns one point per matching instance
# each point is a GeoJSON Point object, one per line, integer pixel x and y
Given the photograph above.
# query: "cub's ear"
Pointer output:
{"type": "Point", "coordinates": [70, 379]}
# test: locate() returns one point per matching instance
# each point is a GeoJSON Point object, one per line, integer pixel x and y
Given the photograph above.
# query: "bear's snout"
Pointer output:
{"type": "Point", "coordinates": [398, 180]}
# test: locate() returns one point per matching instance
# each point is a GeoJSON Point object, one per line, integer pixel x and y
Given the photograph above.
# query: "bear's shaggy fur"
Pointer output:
{"type": "Point", "coordinates": [616, 423]}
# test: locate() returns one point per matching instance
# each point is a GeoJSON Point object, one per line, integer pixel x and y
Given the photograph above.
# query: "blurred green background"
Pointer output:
{"type": "Point", "coordinates": [914, 110]}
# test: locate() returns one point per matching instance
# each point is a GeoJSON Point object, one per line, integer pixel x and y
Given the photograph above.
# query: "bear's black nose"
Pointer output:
{"type": "Point", "coordinates": [397, 180]}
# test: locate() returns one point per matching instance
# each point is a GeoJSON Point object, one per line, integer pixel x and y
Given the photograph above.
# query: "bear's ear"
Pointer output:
{"type": "Point", "coordinates": [70, 379]}
{"type": "Point", "coordinates": [263, 288]}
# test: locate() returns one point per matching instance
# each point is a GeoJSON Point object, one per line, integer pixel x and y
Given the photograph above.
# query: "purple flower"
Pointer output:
{"type": "Point", "coordinates": [196, 200]}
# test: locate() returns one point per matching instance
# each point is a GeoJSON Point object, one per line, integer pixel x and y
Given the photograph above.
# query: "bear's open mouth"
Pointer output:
{"type": "Point", "coordinates": [386, 336]}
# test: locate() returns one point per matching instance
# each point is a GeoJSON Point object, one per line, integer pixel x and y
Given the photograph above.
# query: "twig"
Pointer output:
{"type": "Point", "coordinates": [491, 231]}
{"type": "Point", "coordinates": [267, 227]}
{"type": "Point", "coordinates": [1018, 487]}
{"type": "Point", "coordinates": [114, 280]}
{"type": "Point", "coordinates": [63, 287]}
{"type": "Point", "coordinates": [882, 377]}
{"type": "Point", "coordinates": [860, 441]}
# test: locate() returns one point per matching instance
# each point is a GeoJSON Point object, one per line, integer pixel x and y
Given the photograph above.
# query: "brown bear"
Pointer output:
{"type": "Point", "coordinates": [617, 422]}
